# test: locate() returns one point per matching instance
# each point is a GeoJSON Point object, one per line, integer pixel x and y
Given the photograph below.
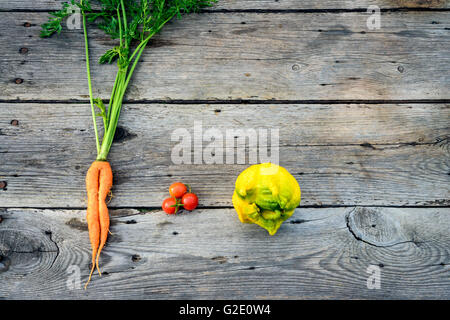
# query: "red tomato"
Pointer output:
{"type": "Point", "coordinates": [177, 189]}
{"type": "Point", "coordinates": [169, 207]}
{"type": "Point", "coordinates": [189, 201]}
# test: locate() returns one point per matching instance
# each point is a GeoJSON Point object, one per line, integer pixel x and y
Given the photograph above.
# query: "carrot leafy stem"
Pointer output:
{"type": "Point", "coordinates": [133, 23]}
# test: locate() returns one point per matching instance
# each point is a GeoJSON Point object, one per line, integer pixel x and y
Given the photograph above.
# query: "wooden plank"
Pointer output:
{"type": "Point", "coordinates": [214, 56]}
{"type": "Point", "coordinates": [259, 4]}
{"type": "Point", "coordinates": [341, 154]}
{"type": "Point", "coordinates": [209, 254]}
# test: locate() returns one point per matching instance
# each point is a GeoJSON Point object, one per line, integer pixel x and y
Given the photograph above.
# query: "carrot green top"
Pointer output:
{"type": "Point", "coordinates": [133, 23]}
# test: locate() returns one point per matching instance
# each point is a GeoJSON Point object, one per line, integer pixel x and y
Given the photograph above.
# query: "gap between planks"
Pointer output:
{"type": "Point", "coordinates": [277, 11]}
{"type": "Point", "coordinates": [240, 101]}
{"type": "Point", "coordinates": [147, 210]}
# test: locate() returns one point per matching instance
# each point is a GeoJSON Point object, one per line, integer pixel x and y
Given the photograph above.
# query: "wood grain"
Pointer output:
{"type": "Point", "coordinates": [260, 4]}
{"type": "Point", "coordinates": [343, 155]}
{"type": "Point", "coordinates": [209, 254]}
{"type": "Point", "coordinates": [214, 56]}
{"type": "Point", "coordinates": [340, 154]}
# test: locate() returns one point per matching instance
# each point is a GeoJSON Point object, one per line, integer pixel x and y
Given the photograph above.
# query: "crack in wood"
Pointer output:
{"type": "Point", "coordinates": [50, 236]}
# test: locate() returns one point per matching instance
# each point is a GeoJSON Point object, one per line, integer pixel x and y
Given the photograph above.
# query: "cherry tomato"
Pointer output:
{"type": "Point", "coordinates": [189, 201]}
{"type": "Point", "coordinates": [167, 206]}
{"type": "Point", "coordinates": [177, 189]}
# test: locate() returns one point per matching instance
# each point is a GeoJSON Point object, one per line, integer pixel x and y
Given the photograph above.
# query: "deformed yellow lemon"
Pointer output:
{"type": "Point", "coordinates": [266, 194]}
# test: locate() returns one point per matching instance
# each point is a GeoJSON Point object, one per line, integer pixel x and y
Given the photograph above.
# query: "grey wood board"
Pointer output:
{"type": "Point", "coordinates": [213, 56]}
{"type": "Point", "coordinates": [259, 4]}
{"type": "Point", "coordinates": [208, 254]}
{"type": "Point", "coordinates": [351, 154]}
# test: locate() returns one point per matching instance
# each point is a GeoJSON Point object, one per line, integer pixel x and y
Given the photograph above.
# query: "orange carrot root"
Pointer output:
{"type": "Point", "coordinates": [99, 180]}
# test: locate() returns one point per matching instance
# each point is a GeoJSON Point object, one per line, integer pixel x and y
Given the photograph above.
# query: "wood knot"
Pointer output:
{"type": "Point", "coordinates": [123, 134]}
{"type": "Point", "coordinates": [27, 249]}
{"type": "Point", "coordinates": [136, 258]}
{"type": "Point", "coordinates": [75, 223]}
{"type": "Point", "coordinates": [220, 259]}
{"type": "Point", "coordinates": [376, 226]}
{"type": "Point", "coordinates": [5, 262]}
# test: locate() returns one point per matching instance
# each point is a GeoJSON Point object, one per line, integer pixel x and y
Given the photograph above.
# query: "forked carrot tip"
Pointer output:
{"type": "Point", "coordinates": [98, 270]}
{"type": "Point", "coordinates": [90, 276]}
{"type": "Point", "coordinates": [97, 264]}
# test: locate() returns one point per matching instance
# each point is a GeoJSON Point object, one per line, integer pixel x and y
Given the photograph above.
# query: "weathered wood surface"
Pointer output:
{"type": "Point", "coordinates": [318, 253]}
{"type": "Point", "coordinates": [259, 4]}
{"type": "Point", "coordinates": [341, 154]}
{"type": "Point", "coordinates": [214, 56]}
{"type": "Point", "coordinates": [368, 154]}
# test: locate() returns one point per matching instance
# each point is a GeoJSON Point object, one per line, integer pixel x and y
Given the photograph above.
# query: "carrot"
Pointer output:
{"type": "Point", "coordinates": [148, 18]}
{"type": "Point", "coordinates": [106, 182]}
{"type": "Point", "coordinates": [99, 180]}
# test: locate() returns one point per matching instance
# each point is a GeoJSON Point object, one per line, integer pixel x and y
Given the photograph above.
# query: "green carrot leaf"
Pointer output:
{"type": "Point", "coordinates": [110, 55]}
{"type": "Point", "coordinates": [54, 22]}
{"type": "Point", "coordinates": [133, 23]}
